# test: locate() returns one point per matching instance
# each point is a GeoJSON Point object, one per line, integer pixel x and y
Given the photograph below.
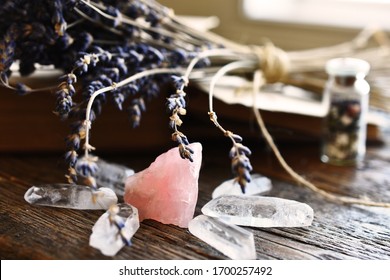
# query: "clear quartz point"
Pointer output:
{"type": "Point", "coordinates": [231, 240]}
{"type": "Point", "coordinates": [258, 185]}
{"type": "Point", "coordinates": [114, 229]}
{"type": "Point", "coordinates": [259, 211]}
{"type": "Point", "coordinates": [112, 175]}
{"type": "Point", "coordinates": [71, 196]}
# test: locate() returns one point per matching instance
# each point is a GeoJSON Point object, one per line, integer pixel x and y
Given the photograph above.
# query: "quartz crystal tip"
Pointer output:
{"type": "Point", "coordinates": [112, 175]}
{"type": "Point", "coordinates": [231, 240]}
{"type": "Point", "coordinates": [71, 196]}
{"type": "Point", "coordinates": [258, 185]}
{"type": "Point", "coordinates": [114, 229]}
{"type": "Point", "coordinates": [259, 211]}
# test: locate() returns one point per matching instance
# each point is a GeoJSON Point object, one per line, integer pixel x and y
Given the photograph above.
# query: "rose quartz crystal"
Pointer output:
{"type": "Point", "coordinates": [167, 191]}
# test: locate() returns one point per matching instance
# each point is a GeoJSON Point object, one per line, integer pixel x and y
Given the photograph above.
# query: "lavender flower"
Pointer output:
{"type": "Point", "coordinates": [135, 111]}
{"type": "Point", "coordinates": [241, 165]}
{"type": "Point", "coordinates": [7, 48]}
{"type": "Point", "coordinates": [87, 168]}
{"type": "Point", "coordinates": [175, 105]}
{"type": "Point", "coordinates": [73, 141]}
{"type": "Point", "coordinates": [101, 46]}
{"type": "Point", "coordinates": [71, 157]}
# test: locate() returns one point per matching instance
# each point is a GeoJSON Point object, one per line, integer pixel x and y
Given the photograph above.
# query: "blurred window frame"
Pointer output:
{"type": "Point", "coordinates": [354, 14]}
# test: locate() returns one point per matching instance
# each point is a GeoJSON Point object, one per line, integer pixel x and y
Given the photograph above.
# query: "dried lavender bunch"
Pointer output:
{"type": "Point", "coordinates": [119, 50]}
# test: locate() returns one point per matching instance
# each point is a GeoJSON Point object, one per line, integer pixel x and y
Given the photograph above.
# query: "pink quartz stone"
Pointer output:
{"type": "Point", "coordinates": [166, 191]}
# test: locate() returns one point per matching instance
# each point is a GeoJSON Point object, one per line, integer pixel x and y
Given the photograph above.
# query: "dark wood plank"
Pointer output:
{"type": "Point", "coordinates": [338, 231]}
{"type": "Point", "coordinates": [27, 123]}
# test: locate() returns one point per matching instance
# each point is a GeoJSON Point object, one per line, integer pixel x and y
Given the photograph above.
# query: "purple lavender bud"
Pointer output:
{"type": "Point", "coordinates": [115, 13]}
{"type": "Point", "coordinates": [71, 89]}
{"type": "Point", "coordinates": [71, 157]}
{"type": "Point", "coordinates": [105, 56]}
{"type": "Point", "coordinates": [106, 81]}
{"type": "Point", "coordinates": [153, 18]}
{"type": "Point", "coordinates": [64, 41]}
{"type": "Point", "coordinates": [181, 101]}
{"type": "Point", "coordinates": [237, 138]}
{"type": "Point", "coordinates": [86, 168]}
{"type": "Point", "coordinates": [186, 152]}
{"type": "Point", "coordinates": [83, 41]}
{"type": "Point", "coordinates": [135, 58]}
{"type": "Point", "coordinates": [233, 152]}
{"type": "Point", "coordinates": [118, 100]}
{"type": "Point", "coordinates": [141, 103]}
{"type": "Point", "coordinates": [130, 89]}
{"type": "Point", "coordinates": [172, 124]}
{"type": "Point", "coordinates": [151, 89]}
{"type": "Point", "coordinates": [22, 89]}
{"type": "Point", "coordinates": [179, 56]}
{"type": "Point", "coordinates": [69, 78]}
{"type": "Point", "coordinates": [120, 64]}
{"type": "Point", "coordinates": [73, 141]}
{"type": "Point", "coordinates": [7, 48]}
{"type": "Point", "coordinates": [170, 104]}
{"type": "Point", "coordinates": [81, 66]}
{"type": "Point", "coordinates": [185, 140]}
{"type": "Point", "coordinates": [63, 106]}
{"type": "Point", "coordinates": [126, 242]}
{"type": "Point", "coordinates": [112, 73]}
{"type": "Point", "coordinates": [135, 115]}
{"type": "Point", "coordinates": [155, 55]}
{"type": "Point", "coordinates": [129, 30]}
{"type": "Point", "coordinates": [243, 149]}
{"type": "Point", "coordinates": [179, 82]}
{"type": "Point", "coordinates": [136, 9]}
{"type": "Point", "coordinates": [92, 116]}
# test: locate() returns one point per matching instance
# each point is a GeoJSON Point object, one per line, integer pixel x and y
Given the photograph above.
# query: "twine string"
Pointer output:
{"type": "Point", "coordinates": [273, 62]}
{"type": "Point", "coordinates": [258, 81]}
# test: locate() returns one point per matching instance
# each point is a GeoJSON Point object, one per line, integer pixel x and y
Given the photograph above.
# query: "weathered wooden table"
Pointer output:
{"type": "Point", "coordinates": [338, 231]}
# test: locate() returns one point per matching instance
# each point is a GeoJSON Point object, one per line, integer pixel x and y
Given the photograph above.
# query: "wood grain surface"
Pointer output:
{"type": "Point", "coordinates": [338, 231]}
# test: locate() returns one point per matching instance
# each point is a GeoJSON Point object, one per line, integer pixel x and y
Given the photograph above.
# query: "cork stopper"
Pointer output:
{"type": "Point", "coordinates": [347, 67]}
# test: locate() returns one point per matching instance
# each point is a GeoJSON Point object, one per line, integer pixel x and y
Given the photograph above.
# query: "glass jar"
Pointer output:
{"type": "Point", "coordinates": [345, 124]}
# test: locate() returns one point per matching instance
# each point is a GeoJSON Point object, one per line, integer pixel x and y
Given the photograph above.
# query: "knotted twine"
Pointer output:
{"type": "Point", "coordinates": [274, 62]}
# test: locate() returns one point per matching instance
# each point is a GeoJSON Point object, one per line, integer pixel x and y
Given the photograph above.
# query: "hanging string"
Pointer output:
{"type": "Point", "coordinates": [258, 81]}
